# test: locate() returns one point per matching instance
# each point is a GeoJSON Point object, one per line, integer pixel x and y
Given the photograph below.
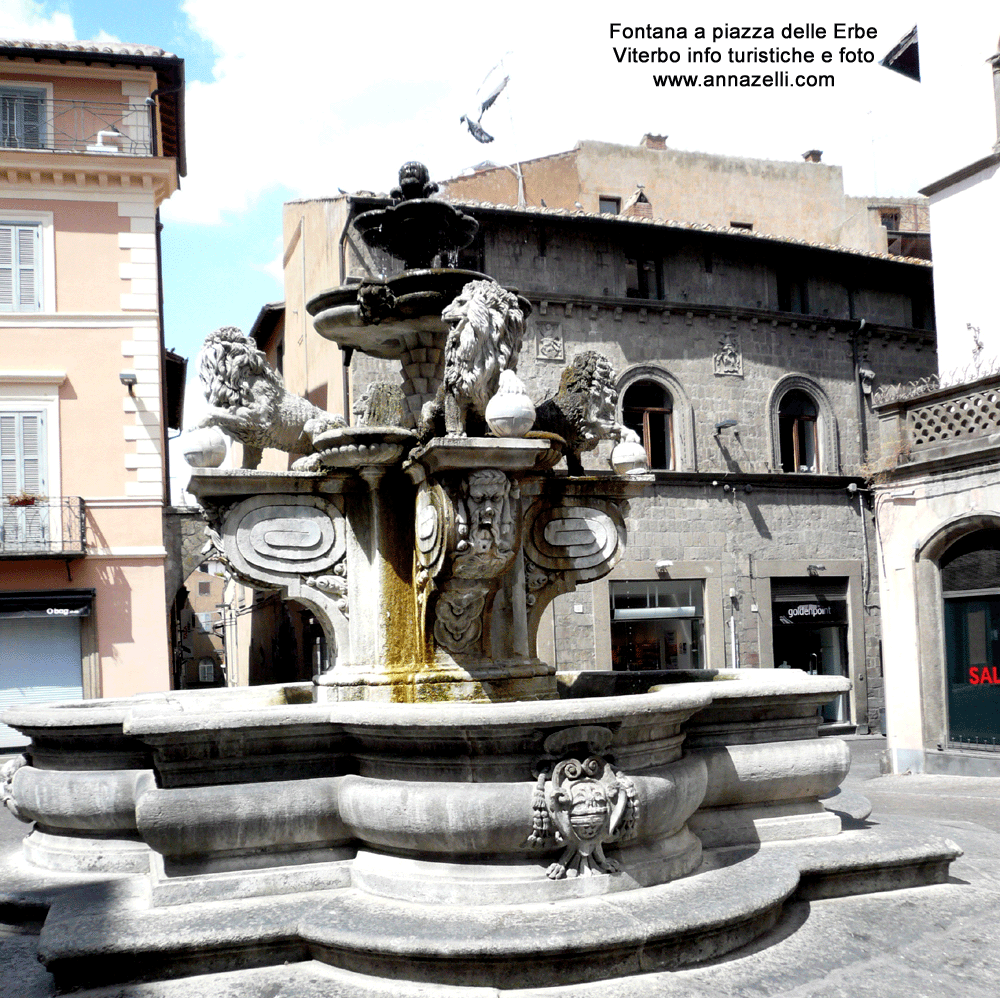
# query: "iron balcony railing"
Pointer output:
{"type": "Point", "coordinates": [36, 527]}
{"type": "Point", "coordinates": [29, 122]}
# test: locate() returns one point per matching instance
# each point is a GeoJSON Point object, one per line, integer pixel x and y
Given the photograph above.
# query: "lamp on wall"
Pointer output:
{"type": "Point", "coordinates": [725, 424]}
{"type": "Point", "coordinates": [128, 379]}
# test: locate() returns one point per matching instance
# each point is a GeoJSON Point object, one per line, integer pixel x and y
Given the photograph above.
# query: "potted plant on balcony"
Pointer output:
{"type": "Point", "coordinates": [25, 499]}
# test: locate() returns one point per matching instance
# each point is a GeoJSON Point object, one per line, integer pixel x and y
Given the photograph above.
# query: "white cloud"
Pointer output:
{"type": "Point", "coordinates": [321, 98]}
{"type": "Point", "coordinates": [21, 19]}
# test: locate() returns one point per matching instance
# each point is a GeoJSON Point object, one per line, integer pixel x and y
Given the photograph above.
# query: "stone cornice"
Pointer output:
{"type": "Point", "coordinates": [668, 311]}
{"type": "Point", "coordinates": [42, 172]}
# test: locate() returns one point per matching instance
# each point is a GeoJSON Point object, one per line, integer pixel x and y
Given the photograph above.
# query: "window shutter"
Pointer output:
{"type": "Point", "coordinates": [32, 124]}
{"type": "Point", "coordinates": [8, 453]}
{"type": "Point", "coordinates": [20, 266]}
{"type": "Point", "coordinates": [27, 268]}
{"type": "Point", "coordinates": [7, 268]}
{"type": "Point", "coordinates": [22, 452]}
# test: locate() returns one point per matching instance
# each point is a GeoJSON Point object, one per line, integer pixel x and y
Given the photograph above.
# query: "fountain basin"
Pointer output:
{"type": "Point", "coordinates": [215, 779]}
{"type": "Point", "coordinates": [329, 828]}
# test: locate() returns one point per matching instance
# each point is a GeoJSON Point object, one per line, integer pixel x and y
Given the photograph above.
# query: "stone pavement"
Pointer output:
{"type": "Point", "coordinates": [929, 942]}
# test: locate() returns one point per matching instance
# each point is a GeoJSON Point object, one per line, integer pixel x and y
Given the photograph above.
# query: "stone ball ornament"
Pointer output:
{"type": "Point", "coordinates": [510, 413]}
{"type": "Point", "coordinates": [629, 458]}
{"type": "Point", "coordinates": [204, 448]}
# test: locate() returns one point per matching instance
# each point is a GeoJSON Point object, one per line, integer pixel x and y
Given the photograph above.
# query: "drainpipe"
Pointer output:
{"type": "Point", "coordinates": [158, 227]}
{"type": "Point", "coordinates": [734, 645]}
{"type": "Point", "coordinates": [859, 389]}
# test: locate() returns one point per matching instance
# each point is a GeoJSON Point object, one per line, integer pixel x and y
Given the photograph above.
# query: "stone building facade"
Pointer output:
{"type": "Point", "coordinates": [801, 200]}
{"type": "Point", "coordinates": [938, 500]}
{"type": "Point", "coordinates": [746, 363]}
{"type": "Point", "coordinates": [91, 144]}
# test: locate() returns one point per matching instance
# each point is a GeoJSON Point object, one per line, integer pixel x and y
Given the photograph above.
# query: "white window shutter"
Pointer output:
{"type": "Point", "coordinates": [9, 477]}
{"type": "Point", "coordinates": [7, 268]}
{"type": "Point", "coordinates": [20, 268]}
{"type": "Point", "coordinates": [22, 452]}
{"type": "Point", "coordinates": [27, 267]}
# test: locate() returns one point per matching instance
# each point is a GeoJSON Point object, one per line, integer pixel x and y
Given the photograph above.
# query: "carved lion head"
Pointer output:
{"type": "Point", "coordinates": [486, 329]}
{"type": "Point", "coordinates": [229, 365]}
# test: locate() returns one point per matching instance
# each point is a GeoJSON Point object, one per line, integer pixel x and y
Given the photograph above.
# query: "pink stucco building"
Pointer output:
{"type": "Point", "coordinates": [91, 143]}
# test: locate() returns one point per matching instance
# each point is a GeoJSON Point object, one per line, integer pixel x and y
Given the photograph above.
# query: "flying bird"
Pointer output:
{"type": "Point", "coordinates": [475, 127]}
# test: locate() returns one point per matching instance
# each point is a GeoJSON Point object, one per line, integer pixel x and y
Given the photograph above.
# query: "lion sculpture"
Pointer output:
{"type": "Point", "coordinates": [248, 400]}
{"type": "Point", "coordinates": [486, 326]}
{"type": "Point", "coordinates": [582, 412]}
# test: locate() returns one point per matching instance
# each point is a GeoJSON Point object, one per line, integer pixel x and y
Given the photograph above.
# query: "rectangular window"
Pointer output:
{"type": "Point", "coordinates": [22, 118]}
{"type": "Point", "coordinates": [643, 278]}
{"type": "Point", "coordinates": [20, 267]}
{"type": "Point", "coordinates": [745, 226]}
{"type": "Point", "coordinates": [206, 671]}
{"type": "Point", "coordinates": [657, 624]}
{"type": "Point", "coordinates": [609, 205]}
{"type": "Point", "coordinates": [25, 522]}
{"type": "Point", "coordinates": [792, 295]}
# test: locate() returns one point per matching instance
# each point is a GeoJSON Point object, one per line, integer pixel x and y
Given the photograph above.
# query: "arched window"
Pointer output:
{"type": "Point", "coordinates": [648, 409]}
{"type": "Point", "coordinates": [798, 440]}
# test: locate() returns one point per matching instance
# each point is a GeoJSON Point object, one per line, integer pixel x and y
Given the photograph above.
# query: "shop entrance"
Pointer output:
{"type": "Point", "coordinates": [972, 638]}
{"type": "Point", "coordinates": [809, 625]}
{"type": "Point", "coordinates": [970, 580]}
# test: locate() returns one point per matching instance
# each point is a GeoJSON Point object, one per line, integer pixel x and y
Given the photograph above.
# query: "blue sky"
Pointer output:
{"type": "Point", "coordinates": [296, 99]}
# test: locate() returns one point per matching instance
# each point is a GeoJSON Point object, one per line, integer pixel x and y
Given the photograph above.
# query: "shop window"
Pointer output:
{"type": "Point", "coordinates": [648, 408]}
{"type": "Point", "coordinates": [20, 267]}
{"type": "Point", "coordinates": [609, 205]}
{"type": "Point", "coordinates": [970, 580]}
{"type": "Point", "coordinates": [797, 435]}
{"type": "Point", "coordinates": [22, 118]}
{"type": "Point", "coordinates": [657, 624]}
{"type": "Point", "coordinates": [809, 628]}
{"type": "Point", "coordinates": [643, 278]}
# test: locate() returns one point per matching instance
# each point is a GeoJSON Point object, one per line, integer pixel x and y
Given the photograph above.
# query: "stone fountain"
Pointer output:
{"type": "Point", "coordinates": [440, 805]}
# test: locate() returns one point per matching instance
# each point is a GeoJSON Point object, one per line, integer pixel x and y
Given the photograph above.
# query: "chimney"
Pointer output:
{"type": "Point", "coordinates": [638, 205]}
{"type": "Point", "coordinates": [650, 141]}
{"type": "Point", "coordinates": [813, 155]}
{"type": "Point", "coordinates": [994, 61]}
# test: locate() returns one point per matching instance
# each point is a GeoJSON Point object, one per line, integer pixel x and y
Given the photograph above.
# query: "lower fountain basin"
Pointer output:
{"type": "Point", "coordinates": [330, 828]}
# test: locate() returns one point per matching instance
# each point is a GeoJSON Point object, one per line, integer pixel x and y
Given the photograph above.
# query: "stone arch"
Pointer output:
{"type": "Point", "coordinates": [683, 414]}
{"type": "Point", "coordinates": [184, 537]}
{"type": "Point", "coordinates": [936, 543]}
{"type": "Point", "coordinates": [828, 436]}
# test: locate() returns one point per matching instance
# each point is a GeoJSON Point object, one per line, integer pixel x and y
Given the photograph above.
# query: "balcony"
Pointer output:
{"type": "Point", "coordinates": [28, 122]}
{"type": "Point", "coordinates": [38, 527]}
{"type": "Point", "coordinates": [926, 422]}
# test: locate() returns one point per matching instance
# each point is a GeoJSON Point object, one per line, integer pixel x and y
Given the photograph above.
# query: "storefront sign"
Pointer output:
{"type": "Point", "coordinates": [982, 675]}
{"type": "Point", "coordinates": [26, 604]}
{"type": "Point", "coordinates": [792, 614]}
